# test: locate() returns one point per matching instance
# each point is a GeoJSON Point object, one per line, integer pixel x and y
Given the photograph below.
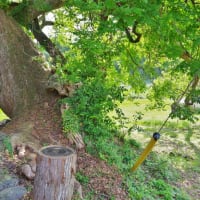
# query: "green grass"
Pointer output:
{"type": "Point", "coordinates": [153, 180]}
{"type": "Point", "coordinates": [141, 105]}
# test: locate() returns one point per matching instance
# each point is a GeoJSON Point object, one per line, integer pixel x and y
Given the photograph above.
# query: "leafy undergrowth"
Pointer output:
{"type": "Point", "coordinates": [170, 171]}
{"type": "Point", "coordinates": [155, 179]}
{"type": "Point", "coordinates": [108, 177]}
{"type": "Point", "coordinates": [175, 159]}
{"type": "Point", "coordinates": [98, 179]}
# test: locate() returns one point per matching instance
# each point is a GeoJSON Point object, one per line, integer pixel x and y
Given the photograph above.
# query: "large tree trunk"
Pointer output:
{"type": "Point", "coordinates": [22, 79]}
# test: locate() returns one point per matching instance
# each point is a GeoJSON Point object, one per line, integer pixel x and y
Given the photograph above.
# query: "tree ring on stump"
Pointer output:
{"type": "Point", "coordinates": [56, 151]}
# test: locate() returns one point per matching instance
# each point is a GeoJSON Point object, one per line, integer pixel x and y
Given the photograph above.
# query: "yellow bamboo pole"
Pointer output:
{"type": "Point", "coordinates": [156, 135]}
{"type": "Point", "coordinates": [146, 151]}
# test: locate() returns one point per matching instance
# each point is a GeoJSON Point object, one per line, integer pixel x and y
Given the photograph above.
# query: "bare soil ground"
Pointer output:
{"type": "Point", "coordinates": [103, 181]}
{"type": "Point", "coordinates": [44, 125]}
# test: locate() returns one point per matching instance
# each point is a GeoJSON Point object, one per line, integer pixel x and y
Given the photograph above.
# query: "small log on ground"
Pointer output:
{"type": "Point", "coordinates": [74, 138]}
{"type": "Point", "coordinates": [56, 167]}
{"type": "Point", "coordinates": [77, 139]}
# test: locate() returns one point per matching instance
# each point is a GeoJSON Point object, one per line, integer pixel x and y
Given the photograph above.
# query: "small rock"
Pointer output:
{"type": "Point", "coordinates": [31, 156]}
{"type": "Point", "coordinates": [12, 182]}
{"type": "Point", "coordinates": [21, 151]}
{"type": "Point", "coordinates": [13, 193]}
{"type": "Point", "coordinates": [32, 163]}
{"type": "Point", "coordinates": [4, 122]}
{"type": "Point", "coordinates": [46, 105]}
{"type": "Point", "coordinates": [27, 171]}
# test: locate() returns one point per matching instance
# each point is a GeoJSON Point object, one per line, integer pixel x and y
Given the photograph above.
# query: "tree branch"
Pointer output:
{"type": "Point", "coordinates": [188, 101]}
{"type": "Point", "coordinates": [45, 22]}
{"type": "Point", "coordinates": [44, 41]}
{"type": "Point", "coordinates": [130, 37]}
{"type": "Point", "coordinates": [32, 10]}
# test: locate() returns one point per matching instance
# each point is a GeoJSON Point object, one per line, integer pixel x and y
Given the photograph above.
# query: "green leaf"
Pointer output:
{"type": "Point", "coordinates": [138, 11]}
{"type": "Point", "coordinates": [174, 51]}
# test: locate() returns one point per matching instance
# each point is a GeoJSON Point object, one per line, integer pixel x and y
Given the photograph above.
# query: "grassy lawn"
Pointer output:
{"type": "Point", "coordinates": [141, 105]}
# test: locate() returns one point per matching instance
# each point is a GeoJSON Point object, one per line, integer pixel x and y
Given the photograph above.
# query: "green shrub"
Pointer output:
{"type": "Point", "coordinates": [82, 178]}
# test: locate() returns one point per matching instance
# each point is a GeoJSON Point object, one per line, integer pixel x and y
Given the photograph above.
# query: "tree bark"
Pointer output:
{"type": "Point", "coordinates": [55, 171]}
{"type": "Point", "coordinates": [188, 99]}
{"type": "Point", "coordinates": [22, 79]}
{"type": "Point", "coordinates": [31, 9]}
{"type": "Point", "coordinates": [44, 41]}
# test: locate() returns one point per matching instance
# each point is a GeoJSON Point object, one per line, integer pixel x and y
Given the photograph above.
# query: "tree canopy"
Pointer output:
{"type": "Point", "coordinates": [111, 45]}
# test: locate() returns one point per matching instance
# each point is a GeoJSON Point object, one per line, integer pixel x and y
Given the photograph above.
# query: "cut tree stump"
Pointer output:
{"type": "Point", "coordinates": [56, 167]}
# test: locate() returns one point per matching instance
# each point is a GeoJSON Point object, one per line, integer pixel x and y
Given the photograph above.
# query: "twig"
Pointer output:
{"type": "Point", "coordinates": [176, 102]}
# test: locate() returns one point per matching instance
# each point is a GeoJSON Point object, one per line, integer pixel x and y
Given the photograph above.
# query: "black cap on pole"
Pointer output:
{"type": "Point", "coordinates": [156, 136]}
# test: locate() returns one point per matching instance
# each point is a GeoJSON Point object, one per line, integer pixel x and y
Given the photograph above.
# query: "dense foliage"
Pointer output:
{"type": "Point", "coordinates": [111, 46]}
{"type": "Point", "coordinates": [126, 43]}
{"type": "Point", "coordinates": [151, 47]}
